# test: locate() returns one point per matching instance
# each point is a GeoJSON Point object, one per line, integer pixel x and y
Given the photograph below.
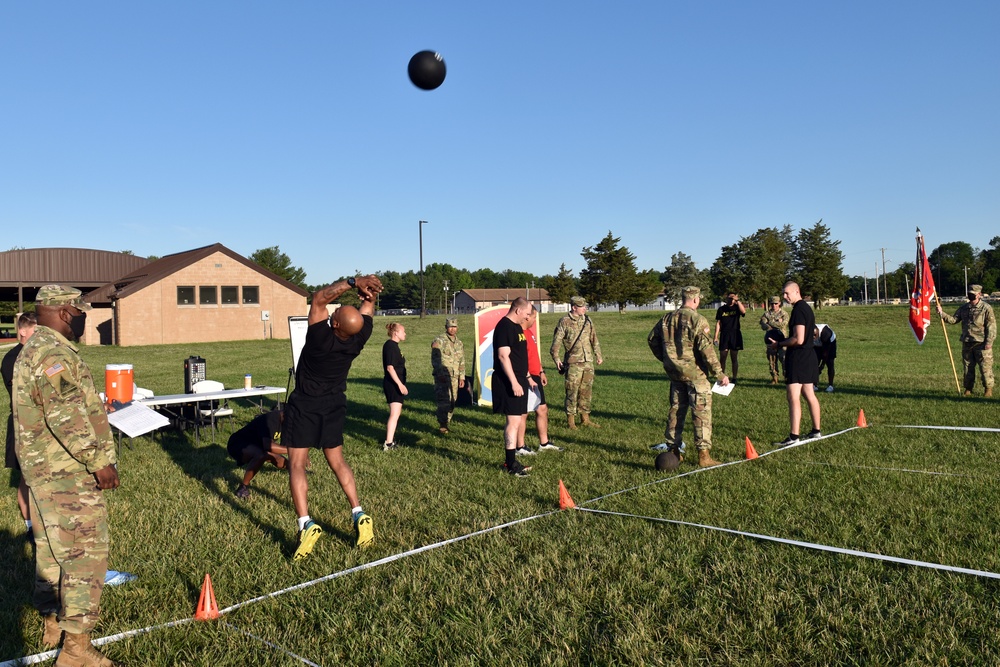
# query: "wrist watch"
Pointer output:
{"type": "Point", "coordinates": [352, 282]}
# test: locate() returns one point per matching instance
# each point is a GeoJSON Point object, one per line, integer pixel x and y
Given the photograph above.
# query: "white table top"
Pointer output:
{"type": "Point", "coordinates": [175, 399]}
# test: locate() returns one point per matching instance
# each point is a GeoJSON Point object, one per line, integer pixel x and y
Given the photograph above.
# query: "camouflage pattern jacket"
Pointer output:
{"type": "Point", "coordinates": [447, 357]}
{"type": "Point", "coordinates": [61, 429]}
{"type": "Point", "coordinates": [567, 331]}
{"type": "Point", "coordinates": [684, 342]}
{"type": "Point", "coordinates": [979, 322]}
{"type": "Point", "coordinates": [775, 320]}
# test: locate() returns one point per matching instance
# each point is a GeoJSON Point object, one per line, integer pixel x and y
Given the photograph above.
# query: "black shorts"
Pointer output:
{"type": "Point", "coordinates": [540, 388]}
{"type": "Point", "coordinates": [391, 391]}
{"type": "Point", "coordinates": [243, 452]}
{"type": "Point", "coordinates": [732, 340]}
{"type": "Point", "coordinates": [10, 459]}
{"type": "Point", "coordinates": [801, 366]}
{"type": "Point", "coordinates": [314, 422]}
{"type": "Point", "coordinates": [504, 400]}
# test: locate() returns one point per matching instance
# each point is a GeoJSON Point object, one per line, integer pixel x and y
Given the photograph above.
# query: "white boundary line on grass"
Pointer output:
{"type": "Point", "coordinates": [41, 657]}
{"type": "Point", "coordinates": [271, 644]}
{"type": "Point", "coordinates": [919, 472]}
{"type": "Point", "coordinates": [47, 655]}
{"type": "Point", "coordinates": [807, 545]}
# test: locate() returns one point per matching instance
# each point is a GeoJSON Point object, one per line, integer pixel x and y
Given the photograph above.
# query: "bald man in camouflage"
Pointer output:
{"type": "Point", "coordinates": [979, 330]}
{"type": "Point", "coordinates": [575, 346]}
{"type": "Point", "coordinates": [448, 364]}
{"type": "Point", "coordinates": [683, 342]}
{"type": "Point", "coordinates": [67, 454]}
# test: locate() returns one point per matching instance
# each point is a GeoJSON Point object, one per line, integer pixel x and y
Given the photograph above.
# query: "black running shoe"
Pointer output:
{"type": "Point", "coordinates": [813, 434]}
{"type": "Point", "coordinates": [790, 440]}
{"type": "Point", "coordinates": [516, 469]}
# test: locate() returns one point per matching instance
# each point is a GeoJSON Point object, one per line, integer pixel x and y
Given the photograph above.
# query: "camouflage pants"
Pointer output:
{"type": "Point", "coordinates": [579, 387]}
{"type": "Point", "coordinates": [70, 523]}
{"type": "Point", "coordinates": [698, 397]}
{"type": "Point", "coordinates": [973, 355]}
{"type": "Point", "coordinates": [776, 362]}
{"type": "Point", "coordinates": [445, 393]}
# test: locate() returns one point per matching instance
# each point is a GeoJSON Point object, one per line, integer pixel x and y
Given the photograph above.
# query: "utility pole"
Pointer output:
{"type": "Point", "coordinates": [878, 297]}
{"type": "Point", "coordinates": [445, 308]}
{"type": "Point", "coordinates": [966, 280]}
{"type": "Point", "coordinates": [885, 281]}
{"type": "Point", "coordinates": [866, 288]}
{"type": "Point", "coordinates": [423, 294]}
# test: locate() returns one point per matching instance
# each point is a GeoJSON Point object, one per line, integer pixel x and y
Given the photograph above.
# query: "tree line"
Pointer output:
{"type": "Point", "coordinates": [756, 267]}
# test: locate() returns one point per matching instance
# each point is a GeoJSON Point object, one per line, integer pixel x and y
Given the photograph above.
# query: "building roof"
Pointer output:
{"type": "Point", "coordinates": [506, 294]}
{"type": "Point", "coordinates": [169, 264]}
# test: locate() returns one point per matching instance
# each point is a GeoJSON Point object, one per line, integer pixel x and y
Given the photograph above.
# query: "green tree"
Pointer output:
{"type": "Point", "coordinates": [989, 266]}
{"type": "Point", "coordinates": [279, 264]}
{"type": "Point", "coordinates": [562, 286]}
{"type": "Point", "coordinates": [818, 261]}
{"type": "Point", "coordinates": [611, 276]}
{"type": "Point", "coordinates": [755, 266]}
{"type": "Point", "coordinates": [948, 262]}
{"type": "Point", "coordinates": [681, 273]}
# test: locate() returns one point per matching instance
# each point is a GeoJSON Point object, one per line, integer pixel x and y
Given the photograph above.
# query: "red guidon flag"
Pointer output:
{"type": "Point", "coordinates": [923, 290]}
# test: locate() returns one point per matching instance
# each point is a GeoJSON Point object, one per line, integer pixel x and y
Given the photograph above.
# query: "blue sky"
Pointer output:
{"type": "Point", "coordinates": [159, 127]}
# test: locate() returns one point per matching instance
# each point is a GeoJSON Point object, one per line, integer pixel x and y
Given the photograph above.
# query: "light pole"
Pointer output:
{"type": "Point", "coordinates": [423, 295]}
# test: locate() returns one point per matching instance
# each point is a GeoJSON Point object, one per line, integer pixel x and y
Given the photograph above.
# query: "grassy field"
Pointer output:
{"type": "Point", "coordinates": [577, 587]}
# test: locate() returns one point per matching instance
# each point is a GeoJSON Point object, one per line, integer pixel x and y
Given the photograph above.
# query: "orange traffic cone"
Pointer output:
{"type": "Point", "coordinates": [751, 452]}
{"type": "Point", "coordinates": [565, 501]}
{"type": "Point", "coordinates": [862, 423]}
{"type": "Point", "coordinates": [208, 608]}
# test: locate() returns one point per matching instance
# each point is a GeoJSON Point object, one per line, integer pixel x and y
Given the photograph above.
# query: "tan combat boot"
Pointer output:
{"type": "Point", "coordinates": [572, 422]}
{"type": "Point", "coordinates": [968, 392]}
{"type": "Point", "coordinates": [705, 459]}
{"type": "Point", "coordinates": [587, 422]}
{"type": "Point", "coordinates": [51, 633]}
{"type": "Point", "coordinates": [77, 651]}
{"type": "Point", "coordinates": [989, 392]}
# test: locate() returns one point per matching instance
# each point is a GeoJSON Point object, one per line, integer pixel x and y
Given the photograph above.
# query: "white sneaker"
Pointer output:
{"type": "Point", "coordinates": [550, 446]}
{"type": "Point", "coordinates": [662, 447]}
{"type": "Point", "coordinates": [829, 388]}
{"type": "Point", "coordinates": [524, 451]}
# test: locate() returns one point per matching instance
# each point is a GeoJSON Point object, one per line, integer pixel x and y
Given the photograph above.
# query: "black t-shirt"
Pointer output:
{"type": "Point", "coordinates": [326, 360]}
{"type": "Point", "coordinates": [728, 318]}
{"type": "Point", "coordinates": [7, 370]}
{"type": "Point", "coordinates": [802, 314]}
{"type": "Point", "coordinates": [509, 334]}
{"type": "Point", "coordinates": [393, 356]}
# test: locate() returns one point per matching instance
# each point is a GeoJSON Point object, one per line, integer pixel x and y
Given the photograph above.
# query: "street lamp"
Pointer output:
{"type": "Point", "coordinates": [423, 295]}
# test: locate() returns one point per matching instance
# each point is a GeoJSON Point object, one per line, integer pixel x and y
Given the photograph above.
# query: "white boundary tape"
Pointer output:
{"type": "Point", "coordinates": [272, 645]}
{"type": "Point", "coordinates": [808, 545]}
{"type": "Point", "coordinates": [917, 472]}
{"type": "Point", "coordinates": [47, 655]}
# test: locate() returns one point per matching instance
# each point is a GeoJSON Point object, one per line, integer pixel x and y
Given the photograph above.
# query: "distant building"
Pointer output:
{"type": "Point", "coordinates": [203, 295]}
{"type": "Point", "coordinates": [472, 300]}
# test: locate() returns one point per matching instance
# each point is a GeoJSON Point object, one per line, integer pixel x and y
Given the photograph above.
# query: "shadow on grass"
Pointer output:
{"type": "Point", "coordinates": [16, 584]}
{"type": "Point", "coordinates": [210, 465]}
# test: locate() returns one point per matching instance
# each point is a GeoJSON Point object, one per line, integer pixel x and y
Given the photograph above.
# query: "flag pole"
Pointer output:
{"type": "Point", "coordinates": [922, 252]}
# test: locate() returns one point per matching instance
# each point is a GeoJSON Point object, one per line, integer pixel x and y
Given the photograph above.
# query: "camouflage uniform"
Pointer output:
{"type": "Point", "coordinates": [62, 439]}
{"type": "Point", "coordinates": [777, 320]}
{"type": "Point", "coordinates": [979, 330]}
{"type": "Point", "coordinates": [688, 356]}
{"type": "Point", "coordinates": [580, 359]}
{"type": "Point", "coordinates": [448, 362]}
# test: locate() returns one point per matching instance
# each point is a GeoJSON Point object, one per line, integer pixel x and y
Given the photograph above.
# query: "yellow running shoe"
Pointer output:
{"type": "Point", "coordinates": [364, 530]}
{"type": "Point", "coordinates": [307, 539]}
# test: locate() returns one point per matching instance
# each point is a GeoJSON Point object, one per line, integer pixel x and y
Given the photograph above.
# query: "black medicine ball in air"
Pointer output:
{"type": "Point", "coordinates": [426, 70]}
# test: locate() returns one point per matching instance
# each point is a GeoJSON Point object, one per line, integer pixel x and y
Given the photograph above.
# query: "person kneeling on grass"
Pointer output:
{"type": "Point", "coordinates": [256, 444]}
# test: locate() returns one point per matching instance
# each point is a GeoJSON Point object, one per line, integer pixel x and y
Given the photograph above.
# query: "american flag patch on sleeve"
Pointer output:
{"type": "Point", "coordinates": [54, 369]}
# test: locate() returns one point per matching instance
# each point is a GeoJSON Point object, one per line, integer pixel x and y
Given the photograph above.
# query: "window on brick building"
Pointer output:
{"type": "Point", "coordinates": [230, 295]}
{"type": "Point", "coordinates": [208, 295]}
{"type": "Point", "coordinates": [185, 296]}
{"type": "Point", "coordinates": [251, 294]}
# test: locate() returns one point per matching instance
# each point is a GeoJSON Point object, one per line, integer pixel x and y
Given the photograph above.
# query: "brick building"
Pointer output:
{"type": "Point", "coordinates": [201, 295]}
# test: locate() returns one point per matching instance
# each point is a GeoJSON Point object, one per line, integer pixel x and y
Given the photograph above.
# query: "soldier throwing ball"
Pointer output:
{"type": "Point", "coordinates": [67, 455]}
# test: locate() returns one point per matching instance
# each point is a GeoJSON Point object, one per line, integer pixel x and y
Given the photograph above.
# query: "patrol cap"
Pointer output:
{"type": "Point", "coordinates": [975, 289]}
{"type": "Point", "coordinates": [60, 295]}
{"type": "Point", "coordinates": [578, 301]}
{"type": "Point", "coordinates": [451, 322]}
{"type": "Point", "coordinates": [775, 300]}
{"type": "Point", "coordinates": [691, 292]}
